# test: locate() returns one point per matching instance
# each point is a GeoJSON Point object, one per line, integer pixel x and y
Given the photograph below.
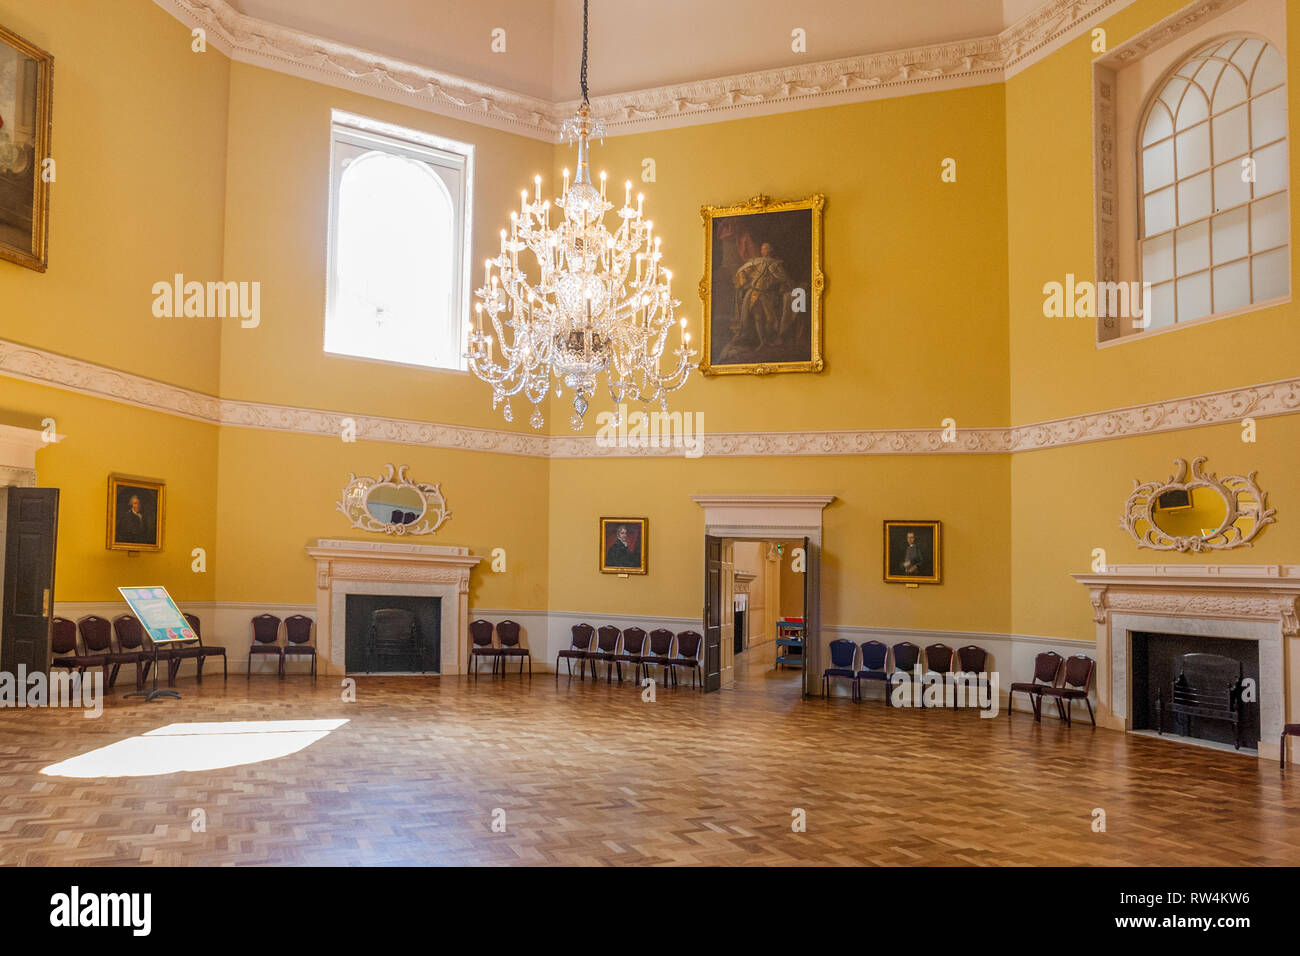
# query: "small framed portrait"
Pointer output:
{"type": "Point", "coordinates": [136, 509]}
{"type": "Point", "coordinates": [26, 80]}
{"type": "Point", "coordinates": [913, 552]}
{"type": "Point", "coordinates": [624, 545]}
{"type": "Point", "coordinates": [762, 286]}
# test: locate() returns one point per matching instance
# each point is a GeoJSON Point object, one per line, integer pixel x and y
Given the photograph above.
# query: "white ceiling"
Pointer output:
{"type": "Point", "coordinates": [635, 44]}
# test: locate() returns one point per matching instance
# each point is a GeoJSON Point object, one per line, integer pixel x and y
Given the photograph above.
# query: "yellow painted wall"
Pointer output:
{"type": "Point", "coordinates": [1067, 501]}
{"type": "Point", "coordinates": [278, 493]}
{"type": "Point", "coordinates": [102, 437]}
{"type": "Point", "coordinates": [139, 141]}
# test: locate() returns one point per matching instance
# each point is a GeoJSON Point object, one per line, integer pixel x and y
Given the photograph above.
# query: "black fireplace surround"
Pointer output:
{"type": "Point", "coordinates": [1156, 663]}
{"type": "Point", "coordinates": [357, 624]}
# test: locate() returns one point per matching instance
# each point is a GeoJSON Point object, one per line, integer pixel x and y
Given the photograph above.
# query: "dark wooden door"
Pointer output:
{"type": "Point", "coordinates": [712, 613]}
{"type": "Point", "coordinates": [31, 526]}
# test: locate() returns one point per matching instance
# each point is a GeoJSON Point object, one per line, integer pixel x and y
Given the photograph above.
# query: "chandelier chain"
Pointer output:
{"type": "Point", "coordinates": [582, 75]}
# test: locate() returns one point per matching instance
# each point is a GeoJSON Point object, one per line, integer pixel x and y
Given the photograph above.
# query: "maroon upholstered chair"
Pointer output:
{"type": "Point", "coordinates": [97, 638]}
{"type": "Point", "coordinates": [579, 650]}
{"type": "Point", "coordinates": [1047, 671]}
{"type": "Point", "coordinates": [480, 635]}
{"type": "Point", "coordinates": [201, 652]}
{"type": "Point", "coordinates": [508, 635]}
{"type": "Point", "coordinates": [297, 640]}
{"type": "Point", "coordinates": [1290, 730]}
{"type": "Point", "coordinates": [1074, 686]}
{"type": "Point", "coordinates": [634, 639]}
{"type": "Point", "coordinates": [606, 650]}
{"type": "Point", "coordinates": [63, 642]}
{"type": "Point", "coordinates": [972, 662]}
{"type": "Point", "coordinates": [266, 640]}
{"type": "Point", "coordinates": [688, 656]}
{"type": "Point", "coordinates": [938, 662]}
{"type": "Point", "coordinates": [661, 650]}
{"type": "Point", "coordinates": [133, 642]}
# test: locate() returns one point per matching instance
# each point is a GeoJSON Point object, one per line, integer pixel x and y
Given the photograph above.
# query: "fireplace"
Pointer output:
{"type": "Point", "coordinates": [1167, 666]}
{"type": "Point", "coordinates": [1247, 612]}
{"type": "Point", "coordinates": [364, 624]}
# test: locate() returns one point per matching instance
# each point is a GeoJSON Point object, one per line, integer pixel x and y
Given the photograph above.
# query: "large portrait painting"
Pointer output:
{"type": "Point", "coordinates": [762, 286]}
{"type": "Point", "coordinates": [624, 545]}
{"type": "Point", "coordinates": [136, 509]}
{"type": "Point", "coordinates": [913, 552]}
{"type": "Point", "coordinates": [26, 78]}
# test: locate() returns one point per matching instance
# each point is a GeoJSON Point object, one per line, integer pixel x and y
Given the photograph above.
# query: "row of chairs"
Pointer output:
{"type": "Point", "coordinates": [93, 641]}
{"type": "Point", "coordinates": [297, 640]}
{"type": "Point", "coordinates": [617, 647]}
{"type": "Point", "coordinates": [507, 646]}
{"type": "Point", "coordinates": [879, 662]}
{"type": "Point", "coordinates": [1063, 680]}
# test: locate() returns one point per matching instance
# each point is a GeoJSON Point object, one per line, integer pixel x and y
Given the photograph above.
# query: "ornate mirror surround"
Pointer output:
{"type": "Point", "coordinates": [393, 504]}
{"type": "Point", "coordinates": [1194, 510]}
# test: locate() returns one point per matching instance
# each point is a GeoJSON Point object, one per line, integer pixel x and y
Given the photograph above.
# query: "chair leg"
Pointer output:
{"type": "Point", "coordinates": [1282, 752]}
{"type": "Point", "coordinates": [1090, 715]}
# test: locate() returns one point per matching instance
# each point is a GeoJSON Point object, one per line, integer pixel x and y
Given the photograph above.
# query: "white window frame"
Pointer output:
{"type": "Point", "coordinates": [447, 156]}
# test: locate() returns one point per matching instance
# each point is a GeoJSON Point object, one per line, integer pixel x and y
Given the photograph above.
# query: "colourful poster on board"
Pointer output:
{"type": "Point", "coordinates": [156, 610]}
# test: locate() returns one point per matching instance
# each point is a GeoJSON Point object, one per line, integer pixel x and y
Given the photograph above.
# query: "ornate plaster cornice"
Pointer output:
{"type": "Point", "coordinates": [1212, 408]}
{"type": "Point", "coordinates": [921, 69]}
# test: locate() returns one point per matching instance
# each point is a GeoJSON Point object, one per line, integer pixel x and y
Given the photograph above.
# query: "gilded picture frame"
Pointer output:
{"type": "Point", "coordinates": [624, 546]}
{"type": "Point", "coordinates": [914, 552]}
{"type": "Point", "coordinates": [763, 286]}
{"type": "Point", "coordinates": [137, 512]}
{"type": "Point", "coordinates": [26, 95]}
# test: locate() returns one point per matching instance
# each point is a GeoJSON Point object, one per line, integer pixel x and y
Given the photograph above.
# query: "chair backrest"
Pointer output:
{"type": "Point", "coordinates": [1047, 666]}
{"type": "Point", "coordinates": [633, 640]}
{"type": "Point", "coordinates": [63, 636]}
{"type": "Point", "coordinates": [874, 655]}
{"type": "Point", "coordinates": [1078, 672]}
{"type": "Point", "coordinates": [96, 633]}
{"type": "Point", "coordinates": [842, 653]}
{"type": "Point", "coordinates": [661, 642]}
{"type": "Point", "coordinates": [973, 658]}
{"type": "Point", "coordinates": [688, 644]}
{"type": "Point", "coordinates": [938, 658]}
{"type": "Point", "coordinates": [130, 633]}
{"type": "Point", "coordinates": [607, 638]}
{"type": "Point", "coordinates": [481, 632]}
{"type": "Point", "coordinates": [266, 629]}
{"type": "Point", "coordinates": [581, 639]}
{"type": "Point", "coordinates": [297, 629]}
{"type": "Point", "coordinates": [906, 654]}
{"type": "Point", "coordinates": [195, 626]}
{"type": "Point", "coordinates": [508, 632]}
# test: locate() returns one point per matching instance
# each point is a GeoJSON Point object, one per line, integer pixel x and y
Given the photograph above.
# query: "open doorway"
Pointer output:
{"type": "Point", "coordinates": [767, 604]}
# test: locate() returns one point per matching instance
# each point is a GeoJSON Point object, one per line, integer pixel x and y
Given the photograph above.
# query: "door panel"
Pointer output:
{"type": "Point", "coordinates": [713, 611]}
{"type": "Point", "coordinates": [808, 656]}
{"type": "Point", "coordinates": [32, 517]}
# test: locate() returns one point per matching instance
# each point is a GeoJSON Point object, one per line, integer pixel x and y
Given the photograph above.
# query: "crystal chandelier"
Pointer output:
{"type": "Point", "coordinates": [597, 301]}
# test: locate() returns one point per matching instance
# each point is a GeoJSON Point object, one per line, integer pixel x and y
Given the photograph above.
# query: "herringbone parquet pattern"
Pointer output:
{"type": "Point", "coordinates": [592, 775]}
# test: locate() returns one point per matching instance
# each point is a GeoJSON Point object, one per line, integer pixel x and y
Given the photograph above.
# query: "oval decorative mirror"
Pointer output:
{"type": "Point", "coordinates": [1195, 510]}
{"type": "Point", "coordinates": [393, 504]}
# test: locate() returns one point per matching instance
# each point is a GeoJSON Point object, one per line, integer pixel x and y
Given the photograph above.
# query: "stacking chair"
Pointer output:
{"type": "Point", "coordinates": [842, 654]}
{"type": "Point", "coordinates": [973, 665]}
{"type": "Point", "coordinates": [688, 656]}
{"type": "Point", "coordinates": [132, 641]}
{"type": "Point", "coordinates": [1076, 683]}
{"type": "Point", "coordinates": [1047, 671]}
{"type": "Point", "coordinates": [906, 655]}
{"type": "Point", "coordinates": [938, 663]}
{"type": "Point", "coordinates": [480, 633]}
{"type": "Point", "coordinates": [634, 639]}
{"type": "Point", "coordinates": [97, 638]}
{"type": "Point", "coordinates": [661, 649]}
{"type": "Point", "coordinates": [875, 666]}
{"type": "Point", "coordinates": [205, 650]}
{"type": "Point", "coordinates": [579, 650]}
{"type": "Point", "coordinates": [508, 634]}
{"type": "Point", "coordinates": [297, 640]}
{"type": "Point", "coordinates": [63, 642]}
{"type": "Point", "coordinates": [266, 640]}
{"type": "Point", "coordinates": [606, 650]}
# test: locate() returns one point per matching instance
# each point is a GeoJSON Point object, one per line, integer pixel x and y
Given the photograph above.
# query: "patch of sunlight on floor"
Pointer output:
{"type": "Point", "coordinates": [177, 748]}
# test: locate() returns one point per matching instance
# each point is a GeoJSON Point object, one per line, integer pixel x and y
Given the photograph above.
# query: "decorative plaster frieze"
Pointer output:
{"type": "Point", "coordinates": [1195, 411]}
{"type": "Point", "coordinates": [922, 69]}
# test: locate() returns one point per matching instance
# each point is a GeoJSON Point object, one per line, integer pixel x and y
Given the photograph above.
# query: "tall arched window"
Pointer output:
{"type": "Point", "coordinates": [1214, 217]}
{"type": "Point", "coordinates": [397, 279]}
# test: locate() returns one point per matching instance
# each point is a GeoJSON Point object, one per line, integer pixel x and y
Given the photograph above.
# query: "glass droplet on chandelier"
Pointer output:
{"type": "Point", "coordinates": [536, 419]}
{"type": "Point", "coordinates": [508, 413]}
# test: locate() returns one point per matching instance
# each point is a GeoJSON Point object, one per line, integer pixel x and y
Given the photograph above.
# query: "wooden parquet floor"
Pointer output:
{"type": "Point", "coordinates": [591, 774]}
